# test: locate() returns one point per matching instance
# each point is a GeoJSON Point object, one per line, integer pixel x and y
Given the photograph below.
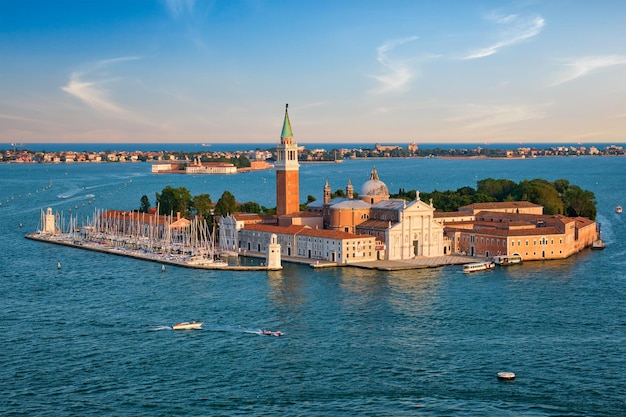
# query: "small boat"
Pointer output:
{"type": "Point", "coordinates": [478, 266]}
{"type": "Point", "coordinates": [598, 244]}
{"type": "Point", "coordinates": [506, 376]}
{"type": "Point", "coordinates": [277, 333]}
{"type": "Point", "coordinates": [618, 209]}
{"type": "Point", "coordinates": [507, 259]}
{"type": "Point", "coordinates": [188, 325]}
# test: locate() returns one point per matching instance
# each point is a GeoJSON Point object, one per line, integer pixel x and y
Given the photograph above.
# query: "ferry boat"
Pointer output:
{"type": "Point", "coordinates": [618, 209]}
{"type": "Point", "coordinates": [188, 325]}
{"type": "Point", "coordinates": [507, 259]}
{"type": "Point", "coordinates": [478, 266]}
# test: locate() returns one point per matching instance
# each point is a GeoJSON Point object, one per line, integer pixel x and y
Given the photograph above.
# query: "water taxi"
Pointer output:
{"type": "Point", "coordinates": [188, 325]}
{"type": "Point", "coordinates": [478, 266]}
{"type": "Point", "coordinates": [507, 259]}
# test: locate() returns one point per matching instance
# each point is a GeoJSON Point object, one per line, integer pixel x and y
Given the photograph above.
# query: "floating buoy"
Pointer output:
{"type": "Point", "coordinates": [506, 376]}
{"type": "Point", "coordinates": [162, 267]}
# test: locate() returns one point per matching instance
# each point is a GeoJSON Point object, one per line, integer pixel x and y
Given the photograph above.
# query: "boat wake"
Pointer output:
{"type": "Point", "coordinates": [265, 332]}
{"type": "Point", "coordinates": [156, 329]}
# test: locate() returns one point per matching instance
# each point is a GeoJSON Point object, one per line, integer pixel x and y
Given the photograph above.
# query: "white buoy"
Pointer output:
{"type": "Point", "coordinates": [506, 376]}
{"type": "Point", "coordinates": [162, 268]}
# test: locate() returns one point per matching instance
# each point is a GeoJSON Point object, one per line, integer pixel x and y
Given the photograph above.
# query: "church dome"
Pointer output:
{"type": "Point", "coordinates": [374, 187]}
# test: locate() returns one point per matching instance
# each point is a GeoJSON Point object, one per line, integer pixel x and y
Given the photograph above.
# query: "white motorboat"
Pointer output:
{"type": "Point", "coordinates": [188, 325]}
{"type": "Point", "coordinates": [271, 333]}
{"type": "Point", "coordinates": [506, 376]}
{"type": "Point", "coordinates": [618, 209]}
{"type": "Point", "coordinates": [478, 266]}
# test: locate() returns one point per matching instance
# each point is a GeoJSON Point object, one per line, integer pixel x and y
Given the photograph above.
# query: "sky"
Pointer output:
{"type": "Point", "coordinates": [352, 71]}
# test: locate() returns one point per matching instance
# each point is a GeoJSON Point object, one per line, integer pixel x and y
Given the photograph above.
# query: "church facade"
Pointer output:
{"type": "Point", "coordinates": [403, 229]}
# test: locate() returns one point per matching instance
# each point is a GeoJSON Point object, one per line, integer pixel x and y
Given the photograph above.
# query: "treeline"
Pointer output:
{"type": "Point", "coordinates": [556, 197]}
{"type": "Point", "coordinates": [179, 200]}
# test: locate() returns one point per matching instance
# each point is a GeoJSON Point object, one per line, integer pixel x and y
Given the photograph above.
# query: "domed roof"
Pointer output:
{"type": "Point", "coordinates": [374, 187]}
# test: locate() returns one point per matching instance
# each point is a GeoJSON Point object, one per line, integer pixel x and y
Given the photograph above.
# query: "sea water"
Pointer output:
{"type": "Point", "coordinates": [86, 333]}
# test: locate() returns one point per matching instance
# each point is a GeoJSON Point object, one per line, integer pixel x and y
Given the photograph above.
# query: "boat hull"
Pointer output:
{"type": "Point", "coordinates": [477, 267]}
{"type": "Point", "coordinates": [194, 325]}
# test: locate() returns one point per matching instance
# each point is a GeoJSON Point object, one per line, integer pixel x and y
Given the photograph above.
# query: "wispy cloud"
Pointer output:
{"type": "Point", "coordinates": [587, 65]}
{"type": "Point", "coordinates": [89, 86]}
{"type": "Point", "coordinates": [179, 8]}
{"type": "Point", "coordinates": [517, 30]}
{"type": "Point", "coordinates": [16, 118]}
{"type": "Point", "coordinates": [397, 73]}
{"type": "Point", "coordinates": [478, 116]}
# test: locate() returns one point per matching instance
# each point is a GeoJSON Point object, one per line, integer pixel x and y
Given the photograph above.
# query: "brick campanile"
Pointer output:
{"type": "Point", "coordinates": [287, 172]}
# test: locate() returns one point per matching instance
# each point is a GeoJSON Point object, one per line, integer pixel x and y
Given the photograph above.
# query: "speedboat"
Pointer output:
{"type": "Point", "coordinates": [271, 333]}
{"type": "Point", "coordinates": [188, 325]}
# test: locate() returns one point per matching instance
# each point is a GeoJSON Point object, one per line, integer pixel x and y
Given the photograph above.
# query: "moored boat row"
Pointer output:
{"type": "Point", "coordinates": [507, 259]}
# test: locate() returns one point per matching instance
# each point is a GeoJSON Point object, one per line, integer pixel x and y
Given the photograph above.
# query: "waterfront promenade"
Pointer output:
{"type": "Point", "coordinates": [419, 262]}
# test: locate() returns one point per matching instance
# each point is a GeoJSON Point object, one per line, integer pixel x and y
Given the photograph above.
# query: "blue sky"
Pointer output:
{"type": "Point", "coordinates": [351, 70]}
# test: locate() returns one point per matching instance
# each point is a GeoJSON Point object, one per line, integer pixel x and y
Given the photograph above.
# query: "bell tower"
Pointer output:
{"type": "Point", "coordinates": [287, 171]}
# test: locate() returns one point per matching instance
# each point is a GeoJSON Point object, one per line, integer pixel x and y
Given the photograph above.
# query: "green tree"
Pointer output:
{"type": "Point", "coordinates": [202, 205]}
{"type": "Point", "coordinates": [145, 204]}
{"type": "Point", "coordinates": [338, 193]}
{"type": "Point", "coordinates": [501, 189]}
{"type": "Point", "coordinates": [226, 204]}
{"type": "Point", "coordinates": [174, 200]}
{"type": "Point", "coordinates": [579, 202]}
{"type": "Point", "coordinates": [250, 207]}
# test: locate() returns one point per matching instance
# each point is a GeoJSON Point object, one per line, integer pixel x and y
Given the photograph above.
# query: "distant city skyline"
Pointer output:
{"type": "Point", "coordinates": [398, 71]}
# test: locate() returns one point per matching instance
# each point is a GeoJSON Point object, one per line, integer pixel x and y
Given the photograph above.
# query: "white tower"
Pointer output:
{"type": "Point", "coordinates": [48, 223]}
{"type": "Point", "coordinates": [272, 259]}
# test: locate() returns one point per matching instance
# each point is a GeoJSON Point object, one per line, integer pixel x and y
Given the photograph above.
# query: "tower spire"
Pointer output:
{"type": "Point", "coordinates": [287, 133]}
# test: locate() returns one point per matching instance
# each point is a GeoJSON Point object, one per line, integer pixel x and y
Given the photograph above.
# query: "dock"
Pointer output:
{"type": "Point", "coordinates": [164, 259]}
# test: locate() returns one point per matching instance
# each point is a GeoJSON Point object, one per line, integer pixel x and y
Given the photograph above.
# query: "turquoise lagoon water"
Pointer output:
{"type": "Point", "coordinates": [94, 337]}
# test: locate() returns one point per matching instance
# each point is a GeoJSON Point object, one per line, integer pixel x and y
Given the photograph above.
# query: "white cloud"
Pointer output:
{"type": "Point", "coordinates": [89, 87]}
{"type": "Point", "coordinates": [518, 30]}
{"type": "Point", "coordinates": [586, 65]}
{"type": "Point", "coordinates": [478, 116]}
{"type": "Point", "coordinates": [397, 73]}
{"type": "Point", "coordinates": [179, 8]}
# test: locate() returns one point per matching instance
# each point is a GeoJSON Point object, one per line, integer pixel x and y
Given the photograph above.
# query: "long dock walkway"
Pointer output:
{"type": "Point", "coordinates": [152, 257]}
{"type": "Point", "coordinates": [419, 262]}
